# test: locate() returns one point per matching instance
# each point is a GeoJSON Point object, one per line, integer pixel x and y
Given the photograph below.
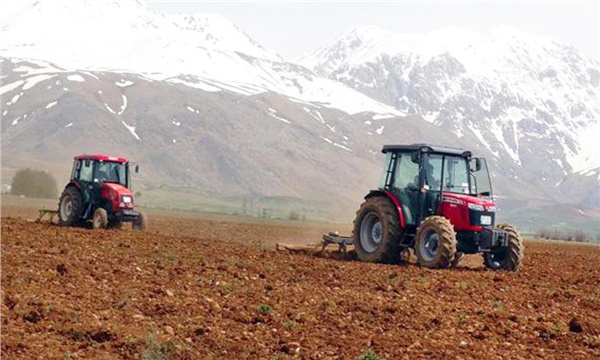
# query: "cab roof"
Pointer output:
{"type": "Point", "coordinates": [427, 148]}
{"type": "Point", "coordinates": [101, 158]}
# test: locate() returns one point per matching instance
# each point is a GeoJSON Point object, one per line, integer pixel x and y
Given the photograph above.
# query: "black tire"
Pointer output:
{"type": "Point", "coordinates": [509, 258]}
{"type": "Point", "coordinates": [141, 223]}
{"type": "Point", "coordinates": [69, 207]}
{"type": "Point", "coordinates": [435, 242]}
{"type": "Point", "coordinates": [100, 219]}
{"type": "Point", "coordinates": [116, 225]}
{"type": "Point", "coordinates": [457, 258]}
{"type": "Point", "coordinates": [376, 231]}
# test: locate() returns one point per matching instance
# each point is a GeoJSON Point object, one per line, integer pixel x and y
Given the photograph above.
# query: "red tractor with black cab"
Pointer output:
{"type": "Point", "coordinates": [99, 190]}
{"type": "Point", "coordinates": [438, 201]}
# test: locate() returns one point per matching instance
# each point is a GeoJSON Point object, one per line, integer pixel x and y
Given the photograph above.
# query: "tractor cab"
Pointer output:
{"type": "Point", "coordinates": [437, 200]}
{"type": "Point", "coordinates": [99, 189]}
{"type": "Point", "coordinates": [427, 178]}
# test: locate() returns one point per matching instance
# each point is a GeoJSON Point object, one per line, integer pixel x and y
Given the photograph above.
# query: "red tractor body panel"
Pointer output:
{"type": "Point", "coordinates": [455, 207]}
{"type": "Point", "coordinates": [114, 194]}
{"type": "Point", "coordinates": [102, 158]}
{"type": "Point", "coordinates": [396, 201]}
{"type": "Point", "coordinates": [398, 205]}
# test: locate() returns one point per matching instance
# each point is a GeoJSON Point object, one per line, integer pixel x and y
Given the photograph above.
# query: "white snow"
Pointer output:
{"type": "Point", "coordinates": [342, 147]}
{"type": "Point", "coordinates": [176, 123]}
{"type": "Point", "coordinates": [197, 85]}
{"type": "Point", "coordinates": [69, 125]}
{"type": "Point", "coordinates": [124, 106]}
{"type": "Point", "coordinates": [335, 144]}
{"type": "Point", "coordinates": [273, 114]}
{"type": "Point", "coordinates": [15, 121]}
{"type": "Point", "coordinates": [14, 99]}
{"type": "Point", "coordinates": [174, 141]}
{"type": "Point", "coordinates": [51, 104]}
{"type": "Point", "coordinates": [315, 114]}
{"type": "Point", "coordinates": [131, 129]}
{"type": "Point", "coordinates": [191, 109]}
{"type": "Point", "coordinates": [539, 75]}
{"type": "Point", "coordinates": [124, 83]}
{"type": "Point", "coordinates": [34, 80]}
{"type": "Point", "coordinates": [127, 36]}
{"type": "Point", "coordinates": [76, 78]}
{"type": "Point", "coordinates": [9, 87]}
{"type": "Point", "coordinates": [383, 116]}
{"type": "Point", "coordinates": [109, 108]}
{"type": "Point", "coordinates": [380, 130]}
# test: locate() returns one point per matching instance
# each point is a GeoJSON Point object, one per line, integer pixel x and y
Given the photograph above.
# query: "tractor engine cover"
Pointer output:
{"type": "Point", "coordinates": [468, 213]}
{"type": "Point", "coordinates": [118, 196]}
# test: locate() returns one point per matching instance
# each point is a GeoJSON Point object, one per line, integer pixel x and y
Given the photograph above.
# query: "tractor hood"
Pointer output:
{"type": "Point", "coordinates": [464, 199]}
{"type": "Point", "coordinates": [118, 196]}
{"type": "Point", "coordinates": [117, 188]}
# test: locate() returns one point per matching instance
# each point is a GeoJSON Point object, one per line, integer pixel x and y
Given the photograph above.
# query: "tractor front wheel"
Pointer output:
{"type": "Point", "coordinates": [435, 244]}
{"type": "Point", "coordinates": [69, 206]}
{"type": "Point", "coordinates": [100, 218]}
{"type": "Point", "coordinates": [376, 231]}
{"type": "Point", "coordinates": [141, 223]}
{"type": "Point", "coordinates": [506, 258]}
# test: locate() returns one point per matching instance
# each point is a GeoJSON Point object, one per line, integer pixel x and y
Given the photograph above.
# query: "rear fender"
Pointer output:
{"type": "Point", "coordinates": [394, 200]}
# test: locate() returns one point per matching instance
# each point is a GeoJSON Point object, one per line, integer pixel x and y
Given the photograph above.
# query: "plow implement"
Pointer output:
{"type": "Point", "coordinates": [47, 215]}
{"type": "Point", "coordinates": [321, 249]}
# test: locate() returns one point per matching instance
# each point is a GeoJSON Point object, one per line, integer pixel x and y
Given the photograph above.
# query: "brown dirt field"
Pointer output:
{"type": "Point", "coordinates": [198, 288]}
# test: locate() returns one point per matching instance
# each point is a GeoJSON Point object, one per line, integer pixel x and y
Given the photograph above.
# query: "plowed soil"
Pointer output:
{"type": "Point", "coordinates": [196, 288]}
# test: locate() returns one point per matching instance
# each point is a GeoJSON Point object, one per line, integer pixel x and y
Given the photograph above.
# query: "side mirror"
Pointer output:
{"type": "Point", "coordinates": [475, 164]}
{"type": "Point", "coordinates": [137, 168]}
{"type": "Point", "coordinates": [87, 162]}
{"type": "Point", "coordinates": [415, 157]}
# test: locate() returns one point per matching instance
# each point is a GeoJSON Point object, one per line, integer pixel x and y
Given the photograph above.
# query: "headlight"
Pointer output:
{"type": "Point", "coordinates": [475, 207]}
{"type": "Point", "coordinates": [127, 199]}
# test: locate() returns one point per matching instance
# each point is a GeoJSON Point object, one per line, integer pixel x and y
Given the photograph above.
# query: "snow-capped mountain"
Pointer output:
{"type": "Point", "coordinates": [530, 100]}
{"type": "Point", "coordinates": [200, 104]}
{"type": "Point", "coordinates": [202, 50]}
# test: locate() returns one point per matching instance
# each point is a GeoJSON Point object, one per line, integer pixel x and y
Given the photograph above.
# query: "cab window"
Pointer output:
{"type": "Point", "coordinates": [407, 172]}
{"type": "Point", "coordinates": [85, 170]}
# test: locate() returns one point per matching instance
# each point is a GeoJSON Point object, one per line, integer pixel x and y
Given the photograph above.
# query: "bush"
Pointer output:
{"type": "Point", "coordinates": [32, 183]}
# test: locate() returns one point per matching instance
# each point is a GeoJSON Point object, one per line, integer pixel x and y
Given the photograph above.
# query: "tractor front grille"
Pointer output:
{"type": "Point", "coordinates": [482, 218]}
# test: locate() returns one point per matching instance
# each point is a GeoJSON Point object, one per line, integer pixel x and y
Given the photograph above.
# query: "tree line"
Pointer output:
{"type": "Point", "coordinates": [34, 183]}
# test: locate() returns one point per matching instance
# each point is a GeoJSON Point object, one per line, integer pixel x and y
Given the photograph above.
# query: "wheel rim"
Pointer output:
{"type": "Point", "coordinates": [371, 232]}
{"type": "Point", "coordinates": [430, 245]}
{"type": "Point", "coordinates": [66, 207]}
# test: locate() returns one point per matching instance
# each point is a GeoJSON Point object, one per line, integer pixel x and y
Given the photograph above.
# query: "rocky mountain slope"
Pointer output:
{"type": "Point", "coordinates": [533, 103]}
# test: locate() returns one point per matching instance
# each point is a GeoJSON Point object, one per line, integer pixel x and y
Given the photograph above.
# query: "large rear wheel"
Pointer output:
{"type": "Point", "coordinates": [435, 243]}
{"type": "Point", "coordinates": [506, 258]}
{"type": "Point", "coordinates": [376, 231]}
{"type": "Point", "coordinates": [69, 206]}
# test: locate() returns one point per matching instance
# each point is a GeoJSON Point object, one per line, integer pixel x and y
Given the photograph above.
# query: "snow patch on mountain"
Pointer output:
{"type": "Point", "coordinates": [506, 88]}
{"type": "Point", "coordinates": [203, 51]}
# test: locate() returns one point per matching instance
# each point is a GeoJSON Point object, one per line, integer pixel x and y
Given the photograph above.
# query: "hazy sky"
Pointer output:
{"type": "Point", "coordinates": [295, 28]}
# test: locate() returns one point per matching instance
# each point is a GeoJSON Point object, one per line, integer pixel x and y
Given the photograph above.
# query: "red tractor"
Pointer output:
{"type": "Point", "coordinates": [99, 191]}
{"type": "Point", "coordinates": [437, 201]}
